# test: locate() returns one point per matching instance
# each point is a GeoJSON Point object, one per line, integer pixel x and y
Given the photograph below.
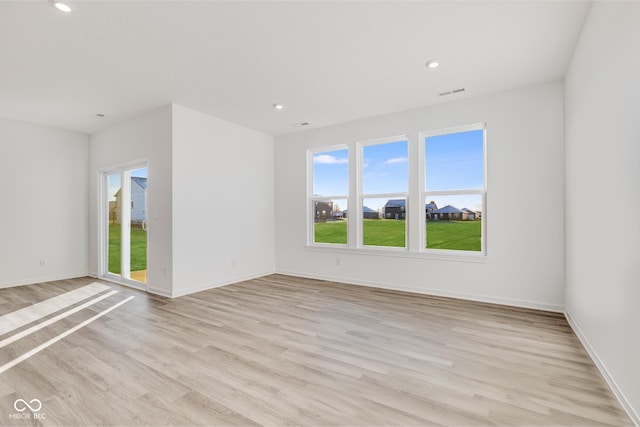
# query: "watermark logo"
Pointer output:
{"type": "Point", "coordinates": [21, 405]}
{"type": "Point", "coordinates": [34, 406]}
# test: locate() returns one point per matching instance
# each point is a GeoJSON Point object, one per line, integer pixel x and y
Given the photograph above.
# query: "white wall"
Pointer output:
{"type": "Point", "coordinates": [43, 213]}
{"type": "Point", "coordinates": [525, 202]}
{"type": "Point", "coordinates": [147, 137]}
{"type": "Point", "coordinates": [223, 202]}
{"type": "Point", "coordinates": [603, 194]}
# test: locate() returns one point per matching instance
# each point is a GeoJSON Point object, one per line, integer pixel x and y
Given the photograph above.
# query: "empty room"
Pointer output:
{"type": "Point", "coordinates": [319, 213]}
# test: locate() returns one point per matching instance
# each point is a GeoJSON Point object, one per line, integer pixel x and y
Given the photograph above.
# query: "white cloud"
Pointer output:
{"type": "Point", "coordinates": [395, 160]}
{"type": "Point", "coordinates": [326, 159]}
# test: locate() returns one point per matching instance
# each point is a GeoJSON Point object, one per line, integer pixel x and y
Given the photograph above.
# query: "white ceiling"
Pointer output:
{"type": "Point", "coordinates": [326, 62]}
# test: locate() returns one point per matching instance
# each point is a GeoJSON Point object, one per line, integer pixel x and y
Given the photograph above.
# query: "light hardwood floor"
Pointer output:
{"type": "Point", "coordinates": [281, 350]}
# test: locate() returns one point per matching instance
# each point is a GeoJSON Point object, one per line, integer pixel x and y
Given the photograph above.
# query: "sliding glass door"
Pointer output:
{"type": "Point", "coordinates": [125, 247]}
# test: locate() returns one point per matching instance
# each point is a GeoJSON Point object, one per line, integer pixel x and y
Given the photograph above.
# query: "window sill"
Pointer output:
{"type": "Point", "coordinates": [440, 255]}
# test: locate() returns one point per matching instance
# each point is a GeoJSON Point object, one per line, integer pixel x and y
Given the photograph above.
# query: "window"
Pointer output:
{"type": "Point", "coordinates": [454, 188]}
{"type": "Point", "coordinates": [438, 208]}
{"type": "Point", "coordinates": [330, 192]}
{"type": "Point", "coordinates": [384, 194]}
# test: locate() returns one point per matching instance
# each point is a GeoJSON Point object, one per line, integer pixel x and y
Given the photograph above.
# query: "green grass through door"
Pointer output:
{"type": "Point", "coordinates": [138, 249]}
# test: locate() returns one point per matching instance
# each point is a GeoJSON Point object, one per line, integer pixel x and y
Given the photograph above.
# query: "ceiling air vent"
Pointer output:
{"type": "Point", "coordinates": [449, 92]}
{"type": "Point", "coordinates": [300, 125]}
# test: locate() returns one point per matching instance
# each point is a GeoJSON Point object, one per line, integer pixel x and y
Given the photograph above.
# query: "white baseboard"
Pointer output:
{"type": "Point", "coordinates": [205, 287]}
{"type": "Point", "coordinates": [435, 292]}
{"type": "Point", "coordinates": [158, 291]}
{"type": "Point", "coordinates": [624, 402]}
{"type": "Point", "coordinates": [43, 279]}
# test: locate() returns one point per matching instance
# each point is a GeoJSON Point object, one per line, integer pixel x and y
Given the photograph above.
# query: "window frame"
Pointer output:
{"type": "Point", "coordinates": [360, 196]}
{"type": "Point", "coordinates": [311, 198]}
{"type": "Point", "coordinates": [424, 193]}
{"type": "Point", "coordinates": [415, 196]}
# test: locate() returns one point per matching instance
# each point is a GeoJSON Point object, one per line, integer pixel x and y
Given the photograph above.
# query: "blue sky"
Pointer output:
{"type": "Point", "coordinates": [386, 168]}
{"type": "Point", "coordinates": [331, 173]}
{"type": "Point", "coordinates": [115, 181]}
{"type": "Point", "coordinates": [453, 162]}
{"type": "Point", "coordinates": [114, 185]}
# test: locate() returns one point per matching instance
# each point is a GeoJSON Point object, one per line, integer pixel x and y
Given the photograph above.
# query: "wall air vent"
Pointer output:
{"type": "Point", "coordinates": [449, 92]}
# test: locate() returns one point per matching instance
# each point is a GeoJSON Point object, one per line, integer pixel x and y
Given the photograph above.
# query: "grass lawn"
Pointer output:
{"type": "Point", "coordinates": [138, 249]}
{"type": "Point", "coordinates": [384, 232]}
{"type": "Point", "coordinates": [377, 232]}
{"type": "Point", "coordinates": [330, 232]}
{"type": "Point", "coordinates": [458, 235]}
{"type": "Point", "coordinates": [455, 235]}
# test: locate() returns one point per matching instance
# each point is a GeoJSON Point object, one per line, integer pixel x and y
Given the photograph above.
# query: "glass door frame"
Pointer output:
{"type": "Point", "coordinates": [124, 278]}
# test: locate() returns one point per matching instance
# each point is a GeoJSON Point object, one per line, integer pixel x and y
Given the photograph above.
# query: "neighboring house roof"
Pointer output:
{"type": "Point", "coordinates": [365, 209]}
{"type": "Point", "coordinates": [142, 182]}
{"type": "Point", "coordinates": [431, 206]}
{"type": "Point", "coordinates": [395, 203]}
{"type": "Point", "coordinates": [467, 210]}
{"type": "Point", "coordinates": [447, 209]}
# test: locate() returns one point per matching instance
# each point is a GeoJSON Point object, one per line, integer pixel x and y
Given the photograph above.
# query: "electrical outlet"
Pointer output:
{"type": "Point", "coordinates": [43, 263]}
{"type": "Point", "coordinates": [338, 260]}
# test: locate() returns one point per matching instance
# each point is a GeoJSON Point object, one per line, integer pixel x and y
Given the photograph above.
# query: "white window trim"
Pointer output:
{"type": "Point", "coordinates": [103, 229]}
{"type": "Point", "coordinates": [360, 196]}
{"type": "Point", "coordinates": [414, 210]}
{"type": "Point", "coordinates": [439, 254]}
{"type": "Point", "coordinates": [422, 136]}
{"type": "Point", "coordinates": [311, 198]}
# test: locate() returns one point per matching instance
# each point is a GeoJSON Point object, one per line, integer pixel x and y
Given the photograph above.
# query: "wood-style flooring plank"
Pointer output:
{"type": "Point", "coordinates": [282, 350]}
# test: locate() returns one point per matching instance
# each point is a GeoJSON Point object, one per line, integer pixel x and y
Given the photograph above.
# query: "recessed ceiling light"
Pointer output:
{"type": "Point", "coordinates": [433, 63]}
{"type": "Point", "coordinates": [63, 7]}
{"type": "Point", "coordinates": [278, 106]}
